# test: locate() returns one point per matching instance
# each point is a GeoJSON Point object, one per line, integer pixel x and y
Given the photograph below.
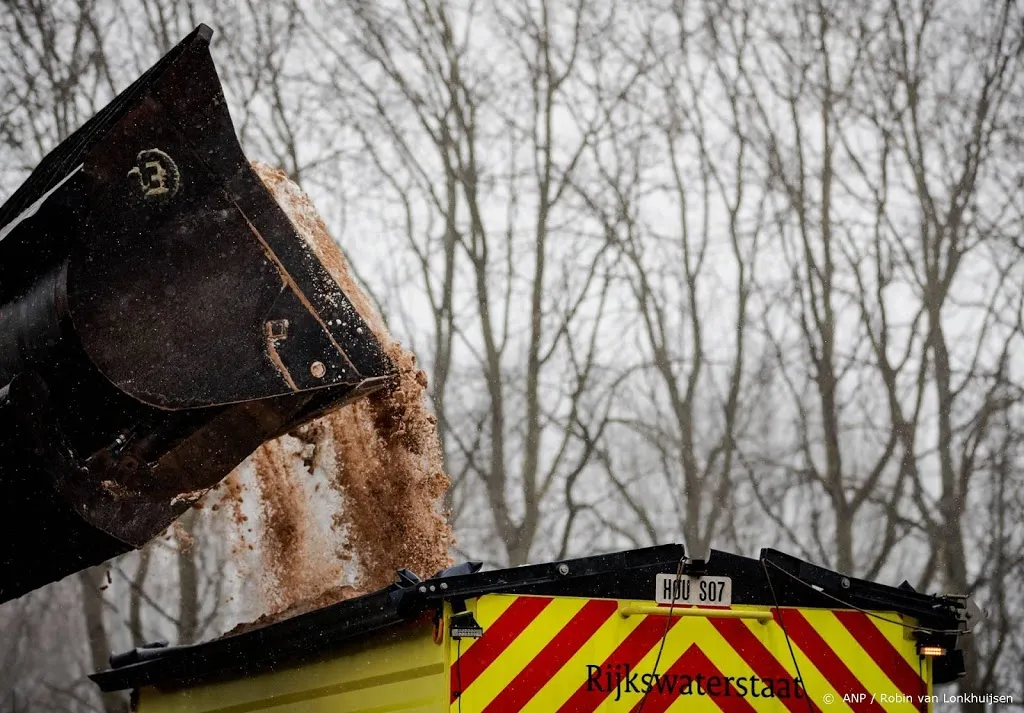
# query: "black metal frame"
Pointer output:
{"type": "Point", "coordinates": [621, 575]}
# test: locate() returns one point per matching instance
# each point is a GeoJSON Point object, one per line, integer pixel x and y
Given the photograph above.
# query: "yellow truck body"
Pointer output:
{"type": "Point", "coordinates": [548, 649]}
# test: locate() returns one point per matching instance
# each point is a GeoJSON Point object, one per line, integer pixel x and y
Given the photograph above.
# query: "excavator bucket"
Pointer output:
{"type": "Point", "coordinates": [160, 318]}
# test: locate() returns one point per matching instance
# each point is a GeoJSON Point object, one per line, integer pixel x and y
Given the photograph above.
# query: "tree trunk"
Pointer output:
{"type": "Point", "coordinates": [96, 632]}
{"type": "Point", "coordinates": [188, 582]}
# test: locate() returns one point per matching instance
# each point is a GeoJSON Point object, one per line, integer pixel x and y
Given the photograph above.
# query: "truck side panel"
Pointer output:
{"type": "Point", "coordinates": [576, 654]}
{"type": "Point", "coordinates": [402, 671]}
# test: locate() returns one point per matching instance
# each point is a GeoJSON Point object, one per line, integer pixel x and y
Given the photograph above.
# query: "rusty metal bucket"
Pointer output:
{"type": "Point", "coordinates": [160, 318]}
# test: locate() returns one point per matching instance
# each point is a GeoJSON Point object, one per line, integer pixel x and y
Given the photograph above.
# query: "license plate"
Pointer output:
{"type": "Point", "coordinates": [706, 591]}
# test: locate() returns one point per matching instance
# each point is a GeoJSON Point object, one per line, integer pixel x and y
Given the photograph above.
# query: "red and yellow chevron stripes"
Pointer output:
{"type": "Point", "coordinates": [574, 655]}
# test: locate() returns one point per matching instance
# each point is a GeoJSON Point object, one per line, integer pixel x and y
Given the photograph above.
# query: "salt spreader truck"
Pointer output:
{"type": "Point", "coordinates": [646, 630]}
{"type": "Point", "coordinates": [161, 317]}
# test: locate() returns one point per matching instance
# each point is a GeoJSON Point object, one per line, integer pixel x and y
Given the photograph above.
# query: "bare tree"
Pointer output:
{"type": "Point", "coordinates": [54, 76]}
{"type": "Point", "coordinates": [962, 213]}
{"type": "Point", "coordinates": [905, 139]}
{"type": "Point", "coordinates": [93, 582]}
{"type": "Point", "coordinates": [692, 274]}
{"type": "Point", "coordinates": [477, 149]}
{"type": "Point", "coordinates": [798, 87]}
